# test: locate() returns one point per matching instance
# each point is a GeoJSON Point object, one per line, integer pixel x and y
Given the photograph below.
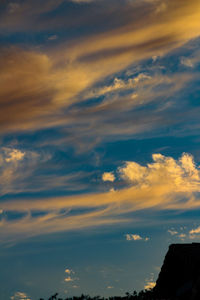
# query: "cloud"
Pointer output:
{"type": "Point", "coordinates": [195, 231]}
{"type": "Point", "coordinates": [172, 232]}
{"type": "Point", "coordinates": [182, 236]}
{"type": "Point", "coordinates": [120, 84]}
{"type": "Point", "coordinates": [68, 271]}
{"type": "Point", "coordinates": [34, 171]}
{"type": "Point", "coordinates": [13, 155]}
{"type": "Point", "coordinates": [187, 62]}
{"type": "Point", "coordinates": [192, 60]}
{"type": "Point", "coordinates": [149, 285]}
{"type": "Point", "coordinates": [52, 37]}
{"type": "Point", "coordinates": [16, 167]}
{"type": "Point", "coordinates": [69, 279]}
{"type": "Point", "coordinates": [185, 235]}
{"type": "Point", "coordinates": [135, 237]}
{"type": "Point", "coordinates": [38, 87]}
{"type": "Point", "coordinates": [182, 173]}
{"type": "Point", "coordinates": [165, 184]}
{"type": "Point", "coordinates": [108, 176]}
{"type": "Point", "coordinates": [20, 296]}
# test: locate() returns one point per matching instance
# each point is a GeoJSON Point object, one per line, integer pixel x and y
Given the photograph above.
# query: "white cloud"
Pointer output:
{"type": "Point", "coordinates": [110, 287]}
{"type": "Point", "coordinates": [108, 176]}
{"type": "Point", "coordinates": [135, 237]}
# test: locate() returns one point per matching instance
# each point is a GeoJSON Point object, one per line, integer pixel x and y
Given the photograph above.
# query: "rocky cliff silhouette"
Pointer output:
{"type": "Point", "coordinates": [180, 274]}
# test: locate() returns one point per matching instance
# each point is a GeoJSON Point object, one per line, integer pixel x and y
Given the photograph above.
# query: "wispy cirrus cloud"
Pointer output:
{"type": "Point", "coordinates": [27, 171]}
{"type": "Point", "coordinates": [164, 184]}
{"type": "Point", "coordinates": [39, 88]}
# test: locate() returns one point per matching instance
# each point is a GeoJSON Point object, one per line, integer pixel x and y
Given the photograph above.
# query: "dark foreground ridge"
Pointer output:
{"type": "Point", "coordinates": [179, 278]}
{"type": "Point", "coordinates": [180, 273]}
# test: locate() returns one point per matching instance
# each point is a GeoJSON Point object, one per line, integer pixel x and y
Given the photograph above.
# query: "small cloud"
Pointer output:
{"type": "Point", "coordinates": [149, 285]}
{"type": "Point", "coordinates": [20, 296]}
{"type": "Point", "coordinates": [172, 232]}
{"type": "Point", "coordinates": [68, 271]}
{"type": "Point", "coordinates": [135, 237]}
{"type": "Point", "coordinates": [187, 62]}
{"type": "Point", "coordinates": [182, 236]}
{"type": "Point", "coordinates": [13, 155]}
{"type": "Point", "coordinates": [68, 279]}
{"type": "Point", "coordinates": [75, 287]}
{"type": "Point", "coordinates": [110, 287]}
{"type": "Point", "coordinates": [195, 231]}
{"type": "Point", "coordinates": [108, 176]}
{"type": "Point", "coordinates": [52, 37]}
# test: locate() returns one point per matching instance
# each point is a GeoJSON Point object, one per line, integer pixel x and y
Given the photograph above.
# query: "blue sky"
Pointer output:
{"type": "Point", "coordinates": [99, 132]}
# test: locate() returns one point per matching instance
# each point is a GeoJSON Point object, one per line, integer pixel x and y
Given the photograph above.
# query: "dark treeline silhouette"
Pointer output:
{"type": "Point", "coordinates": [142, 295]}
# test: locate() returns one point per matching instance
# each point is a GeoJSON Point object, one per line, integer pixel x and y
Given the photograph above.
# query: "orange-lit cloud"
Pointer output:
{"type": "Point", "coordinates": [20, 296]}
{"type": "Point", "coordinates": [108, 176]}
{"type": "Point", "coordinates": [135, 237]}
{"type": "Point", "coordinates": [165, 183]}
{"type": "Point", "coordinates": [38, 87]}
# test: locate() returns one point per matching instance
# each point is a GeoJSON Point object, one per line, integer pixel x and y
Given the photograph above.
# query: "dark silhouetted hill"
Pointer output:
{"type": "Point", "coordinates": [180, 274]}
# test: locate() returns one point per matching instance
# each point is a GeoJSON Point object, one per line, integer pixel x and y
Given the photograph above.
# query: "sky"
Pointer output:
{"type": "Point", "coordinates": [99, 143]}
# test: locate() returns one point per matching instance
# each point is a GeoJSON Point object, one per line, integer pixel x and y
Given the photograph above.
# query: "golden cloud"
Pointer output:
{"type": "Point", "coordinates": [37, 88]}
{"type": "Point", "coordinates": [164, 184]}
